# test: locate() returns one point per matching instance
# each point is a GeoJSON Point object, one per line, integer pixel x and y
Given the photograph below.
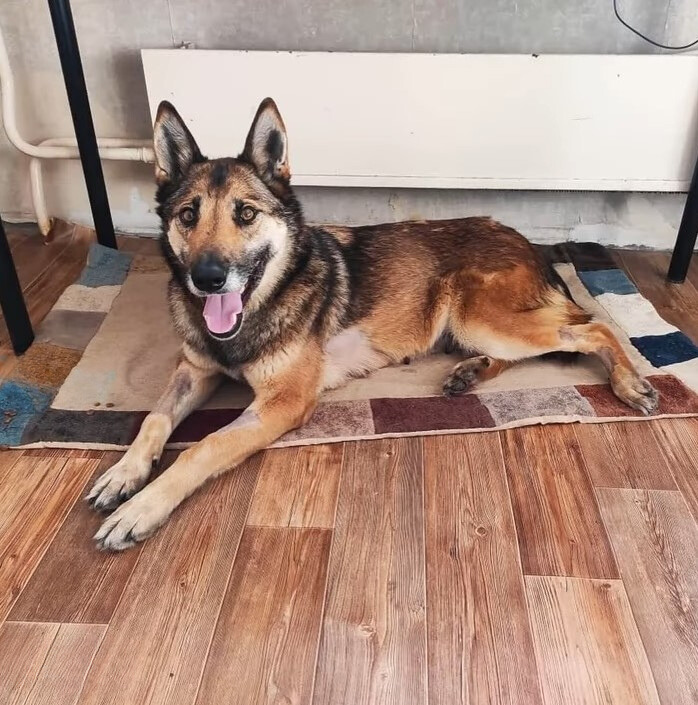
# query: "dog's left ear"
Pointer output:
{"type": "Point", "coordinates": [266, 146]}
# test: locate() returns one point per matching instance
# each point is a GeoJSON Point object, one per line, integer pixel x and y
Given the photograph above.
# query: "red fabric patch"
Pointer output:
{"type": "Point", "coordinates": [202, 422]}
{"type": "Point", "coordinates": [429, 414]}
{"type": "Point", "coordinates": [674, 398]}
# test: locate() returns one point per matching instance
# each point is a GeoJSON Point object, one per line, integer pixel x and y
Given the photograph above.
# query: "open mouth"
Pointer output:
{"type": "Point", "coordinates": [223, 313]}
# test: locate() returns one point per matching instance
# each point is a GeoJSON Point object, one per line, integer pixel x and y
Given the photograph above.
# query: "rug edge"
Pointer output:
{"type": "Point", "coordinates": [520, 423]}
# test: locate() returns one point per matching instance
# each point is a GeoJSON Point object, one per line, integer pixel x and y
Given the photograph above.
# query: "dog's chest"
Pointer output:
{"type": "Point", "coordinates": [349, 354]}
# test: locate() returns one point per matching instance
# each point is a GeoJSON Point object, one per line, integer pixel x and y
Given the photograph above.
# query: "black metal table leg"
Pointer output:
{"type": "Point", "coordinates": [688, 232]}
{"type": "Point", "coordinates": [12, 301]}
{"type": "Point", "coordinates": [69, 53]}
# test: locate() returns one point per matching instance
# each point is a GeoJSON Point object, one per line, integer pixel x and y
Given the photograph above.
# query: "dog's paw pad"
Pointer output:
{"type": "Point", "coordinates": [464, 376]}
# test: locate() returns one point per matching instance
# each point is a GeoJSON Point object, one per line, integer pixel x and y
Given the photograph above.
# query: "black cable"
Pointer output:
{"type": "Point", "coordinates": [647, 39]}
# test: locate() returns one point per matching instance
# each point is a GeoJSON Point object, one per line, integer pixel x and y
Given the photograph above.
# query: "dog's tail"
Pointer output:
{"type": "Point", "coordinates": [557, 282]}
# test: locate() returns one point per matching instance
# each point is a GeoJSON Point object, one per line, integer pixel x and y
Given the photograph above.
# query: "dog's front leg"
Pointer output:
{"type": "Point", "coordinates": [285, 399]}
{"type": "Point", "coordinates": [190, 385]}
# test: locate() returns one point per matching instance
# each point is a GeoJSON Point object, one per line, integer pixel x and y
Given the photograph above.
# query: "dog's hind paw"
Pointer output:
{"type": "Point", "coordinates": [637, 393]}
{"type": "Point", "coordinates": [465, 375]}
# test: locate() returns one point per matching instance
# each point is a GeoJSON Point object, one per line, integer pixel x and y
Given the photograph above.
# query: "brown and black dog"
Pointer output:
{"type": "Point", "coordinates": [258, 294]}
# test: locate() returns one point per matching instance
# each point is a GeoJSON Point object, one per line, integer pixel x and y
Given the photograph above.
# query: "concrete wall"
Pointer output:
{"type": "Point", "coordinates": [112, 31]}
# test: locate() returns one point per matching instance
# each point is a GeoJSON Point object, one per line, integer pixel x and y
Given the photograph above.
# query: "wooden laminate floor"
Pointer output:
{"type": "Point", "coordinates": [554, 564]}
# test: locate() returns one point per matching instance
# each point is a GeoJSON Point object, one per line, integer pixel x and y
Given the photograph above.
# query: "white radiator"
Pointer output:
{"type": "Point", "coordinates": [602, 123]}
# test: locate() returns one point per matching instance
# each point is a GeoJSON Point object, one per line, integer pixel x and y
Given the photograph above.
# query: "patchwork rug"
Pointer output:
{"type": "Point", "coordinates": [104, 353]}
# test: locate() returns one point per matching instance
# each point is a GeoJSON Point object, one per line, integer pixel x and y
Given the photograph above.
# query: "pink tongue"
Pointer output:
{"type": "Point", "coordinates": [221, 311]}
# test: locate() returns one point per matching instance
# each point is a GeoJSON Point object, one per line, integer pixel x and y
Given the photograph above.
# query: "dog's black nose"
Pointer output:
{"type": "Point", "coordinates": [209, 273]}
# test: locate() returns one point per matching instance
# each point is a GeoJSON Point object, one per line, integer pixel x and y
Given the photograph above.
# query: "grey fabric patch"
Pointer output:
{"type": "Point", "coordinates": [70, 329]}
{"type": "Point", "coordinates": [535, 403]}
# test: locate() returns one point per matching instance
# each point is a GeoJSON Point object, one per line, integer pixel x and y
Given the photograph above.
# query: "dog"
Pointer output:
{"type": "Point", "coordinates": [258, 294]}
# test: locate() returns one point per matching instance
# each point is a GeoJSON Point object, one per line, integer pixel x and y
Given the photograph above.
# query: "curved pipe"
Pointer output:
{"type": "Point", "coordinates": [7, 86]}
{"type": "Point", "coordinates": [115, 148]}
{"type": "Point", "coordinates": [43, 219]}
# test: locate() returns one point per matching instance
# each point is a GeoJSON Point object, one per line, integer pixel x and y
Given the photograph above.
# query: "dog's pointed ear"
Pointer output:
{"type": "Point", "coordinates": [174, 146]}
{"type": "Point", "coordinates": [266, 146]}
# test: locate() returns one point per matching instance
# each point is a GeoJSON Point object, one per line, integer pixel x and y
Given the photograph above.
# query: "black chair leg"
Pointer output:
{"type": "Point", "coordinates": [688, 233]}
{"type": "Point", "coordinates": [12, 301]}
{"type": "Point", "coordinates": [74, 78]}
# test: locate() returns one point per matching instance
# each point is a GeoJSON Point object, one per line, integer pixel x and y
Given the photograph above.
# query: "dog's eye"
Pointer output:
{"type": "Point", "coordinates": [248, 214]}
{"type": "Point", "coordinates": [187, 215]}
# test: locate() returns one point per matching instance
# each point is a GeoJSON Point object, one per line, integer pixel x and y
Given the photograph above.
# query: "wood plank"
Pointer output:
{"type": "Point", "coordinates": [624, 455]}
{"type": "Point", "coordinates": [35, 497]}
{"type": "Point", "coordinates": [265, 646]}
{"type": "Point", "coordinates": [74, 581]}
{"type": "Point", "coordinates": [655, 540]}
{"type": "Point", "coordinates": [23, 649]}
{"type": "Point", "coordinates": [587, 644]}
{"type": "Point", "coordinates": [558, 522]}
{"type": "Point", "coordinates": [8, 458]}
{"type": "Point", "coordinates": [693, 271]}
{"type": "Point", "coordinates": [156, 645]}
{"type": "Point", "coordinates": [33, 257]}
{"type": "Point", "coordinates": [63, 673]}
{"type": "Point", "coordinates": [64, 453]}
{"type": "Point", "coordinates": [373, 638]}
{"type": "Point", "coordinates": [676, 304]}
{"type": "Point", "coordinates": [8, 360]}
{"type": "Point", "coordinates": [480, 646]}
{"type": "Point", "coordinates": [298, 487]}
{"type": "Point", "coordinates": [679, 440]}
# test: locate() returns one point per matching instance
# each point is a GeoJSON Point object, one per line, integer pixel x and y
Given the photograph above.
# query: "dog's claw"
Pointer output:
{"type": "Point", "coordinates": [133, 521]}
{"type": "Point", "coordinates": [118, 484]}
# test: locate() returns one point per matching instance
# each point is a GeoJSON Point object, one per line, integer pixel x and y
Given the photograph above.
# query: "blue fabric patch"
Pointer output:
{"type": "Point", "coordinates": [663, 350]}
{"type": "Point", "coordinates": [20, 405]}
{"type": "Point", "coordinates": [105, 267]}
{"type": "Point", "coordinates": [607, 281]}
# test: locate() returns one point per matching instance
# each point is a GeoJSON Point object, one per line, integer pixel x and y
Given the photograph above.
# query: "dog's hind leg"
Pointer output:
{"type": "Point", "coordinates": [597, 339]}
{"type": "Point", "coordinates": [286, 389]}
{"type": "Point", "coordinates": [188, 388]}
{"type": "Point", "coordinates": [505, 337]}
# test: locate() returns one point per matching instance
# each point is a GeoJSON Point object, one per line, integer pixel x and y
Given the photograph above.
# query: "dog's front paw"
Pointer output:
{"type": "Point", "coordinates": [119, 483]}
{"type": "Point", "coordinates": [134, 521]}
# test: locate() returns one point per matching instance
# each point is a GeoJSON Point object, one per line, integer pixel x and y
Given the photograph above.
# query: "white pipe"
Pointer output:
{"type": "Point", "coordinates": [56, 147]}
{"type": "Point", "coordinates": [7, 86]}
{"type": "Point", "coordinates": [43, 219]}
{"type": "Point", "coordinates": [59, 147]}
{"type": "Point", "coordinates": [101, 141]}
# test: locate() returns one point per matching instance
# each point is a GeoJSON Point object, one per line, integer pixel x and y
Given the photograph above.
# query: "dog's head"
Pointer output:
{"type": "Point", "coordinates": [227, 223]}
